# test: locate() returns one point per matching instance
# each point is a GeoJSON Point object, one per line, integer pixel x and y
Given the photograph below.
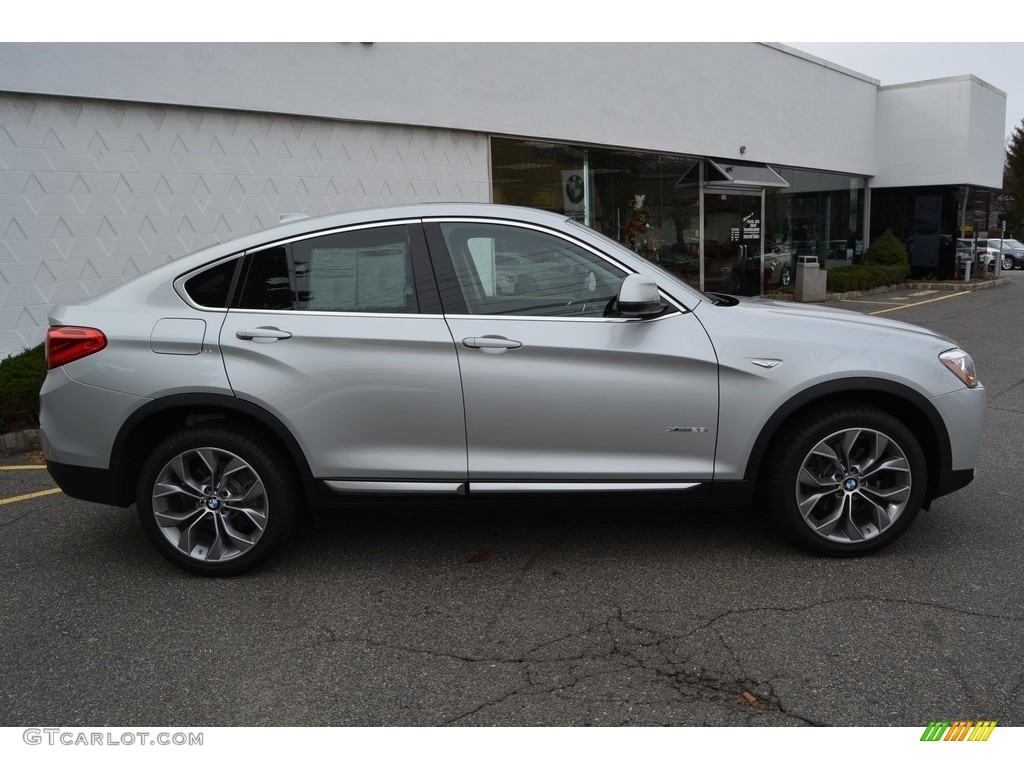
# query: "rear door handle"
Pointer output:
{"type": "Point", "coordinates": [490, 344]}
{"type": "Point", "coordinates": [264, 334]}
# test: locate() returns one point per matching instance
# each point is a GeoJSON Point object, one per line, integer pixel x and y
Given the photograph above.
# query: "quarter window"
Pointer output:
{"type": "Point", "coordinates": [506, 270]}
{"type": "Point", "coordinates": [212, 288]}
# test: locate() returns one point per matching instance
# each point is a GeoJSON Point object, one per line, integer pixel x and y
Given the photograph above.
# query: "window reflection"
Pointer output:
{"type": "Point", "coordinates": [651, 203]}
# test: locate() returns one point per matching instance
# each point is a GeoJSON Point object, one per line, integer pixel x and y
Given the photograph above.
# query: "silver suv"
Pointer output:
{"type": "Point", "coordinates": [452, 351]}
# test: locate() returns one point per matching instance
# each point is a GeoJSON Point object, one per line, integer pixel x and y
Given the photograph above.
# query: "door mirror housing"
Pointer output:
{"type": "Point", "coordinates": [638, 297]}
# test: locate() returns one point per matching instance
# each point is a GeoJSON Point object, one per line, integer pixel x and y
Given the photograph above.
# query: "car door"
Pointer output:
{"type": "Point", "coordinates": [558, 388]}
{"type": "Point", "coordinates": [340, 336]}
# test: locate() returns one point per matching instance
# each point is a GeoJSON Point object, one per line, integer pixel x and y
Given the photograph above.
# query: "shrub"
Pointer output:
{"type": "Point", "coordinates": [885, 262]}
{"type": "Point", "coordinates": [21, 377]}
{"type": "Point", "coordinates": [864, 277]}
{"type": "Point", "coordinates": [887, 251]}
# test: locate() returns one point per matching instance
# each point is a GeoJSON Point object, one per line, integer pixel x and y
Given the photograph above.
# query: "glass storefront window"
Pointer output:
{"type": "Point", "coordinates": [820, 214]}
{"type": "Point", "coordinates": [652, 204]}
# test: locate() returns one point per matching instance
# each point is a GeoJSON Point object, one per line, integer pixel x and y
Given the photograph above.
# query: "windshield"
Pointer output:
{"type": "Point", "coordinates": [1014, 244]}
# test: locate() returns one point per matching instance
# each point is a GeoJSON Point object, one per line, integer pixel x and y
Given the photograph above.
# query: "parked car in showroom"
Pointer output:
{"type": "Point", "coordinates": [779, 266]}
{"type": "Point", "coordinates": [471, 351]}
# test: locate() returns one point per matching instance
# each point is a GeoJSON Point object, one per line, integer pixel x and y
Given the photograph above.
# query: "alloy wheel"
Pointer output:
{"type": "Point", "coordinates": [853, 485]}
{"type": "Point", "coordinates": [210, 504]}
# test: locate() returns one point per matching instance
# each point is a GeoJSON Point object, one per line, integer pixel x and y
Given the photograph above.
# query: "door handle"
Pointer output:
{"type": "Point", "coordinates": [491, 343]}
{"type": "Point", "coordinates": [263, 334]}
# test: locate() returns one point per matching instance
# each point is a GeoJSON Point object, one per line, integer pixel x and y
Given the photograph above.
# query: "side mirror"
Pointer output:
{"type": "Point", "coordinates": [638, 297]}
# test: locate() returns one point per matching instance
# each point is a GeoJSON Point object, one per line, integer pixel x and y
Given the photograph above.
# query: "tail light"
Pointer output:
{"type": "Point", "coordinates": [67, 343]}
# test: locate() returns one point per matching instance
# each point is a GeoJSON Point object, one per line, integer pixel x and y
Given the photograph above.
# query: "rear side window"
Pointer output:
{"type": "Point", "coordinates": [267, 284]}
{"type": "Point", "coordinates": [366, 270]}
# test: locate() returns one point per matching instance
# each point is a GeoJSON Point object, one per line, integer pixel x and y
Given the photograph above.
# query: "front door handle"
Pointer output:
{"type": "Point", "coordinates": [492, 344]}
{"type": "Point", "coordinates": [263, 334]}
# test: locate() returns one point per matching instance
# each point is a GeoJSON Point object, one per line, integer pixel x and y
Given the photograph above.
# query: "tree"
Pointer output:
{"type": "Point", "coordinates": [1013, 182]}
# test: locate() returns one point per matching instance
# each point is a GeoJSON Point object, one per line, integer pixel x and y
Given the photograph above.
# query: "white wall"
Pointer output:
{"type": "Point", "coordinates": [698, 98]}
{"type": "Point", "coordinates": [95, 192]}
{"type": "Point", "coordinates": [947, 131]}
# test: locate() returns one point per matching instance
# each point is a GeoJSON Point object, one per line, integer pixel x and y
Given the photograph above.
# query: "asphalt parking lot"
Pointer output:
{"type": "Point", "coordinates": [612, 614]}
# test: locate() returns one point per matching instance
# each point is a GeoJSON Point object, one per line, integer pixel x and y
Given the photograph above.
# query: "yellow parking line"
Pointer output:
{"type": "Point", "coordinates": [24, 466]}
{"type": "Point", "coordinates": [28, 496]}
{"type": "Point", "coordinates": [919, 303]}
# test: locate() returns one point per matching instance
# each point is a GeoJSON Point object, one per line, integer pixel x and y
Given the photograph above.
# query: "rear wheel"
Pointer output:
{"type": "Point", "coordinates": [849, 481]}
{"type": "Point", "coordinates": [214, 501]}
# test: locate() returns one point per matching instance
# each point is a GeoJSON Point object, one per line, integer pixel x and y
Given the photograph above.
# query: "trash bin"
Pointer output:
{"type": "Point", "coordinates": [810, 279]}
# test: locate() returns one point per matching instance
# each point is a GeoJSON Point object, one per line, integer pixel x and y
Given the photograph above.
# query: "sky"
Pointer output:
{"type": "Point", "coordinates": [998, 64]}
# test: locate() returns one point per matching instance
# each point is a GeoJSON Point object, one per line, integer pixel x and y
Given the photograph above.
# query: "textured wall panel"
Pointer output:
{"type": "Point", "coordinates": [93, 193]}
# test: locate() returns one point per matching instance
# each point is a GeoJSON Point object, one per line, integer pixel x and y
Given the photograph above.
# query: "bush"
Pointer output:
{"type": "Point", "coordinates": [887, 251]}
{"type": "Point", "coordinates": [21, 377]}
{"type": "Point", "coordinates": [885, 262]}
{"type": "Point", "coordinates": [864, 277]}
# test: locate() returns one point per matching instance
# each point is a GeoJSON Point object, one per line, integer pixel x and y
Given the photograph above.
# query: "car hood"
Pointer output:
{"type": "Point", "coordinates": [788, 310]}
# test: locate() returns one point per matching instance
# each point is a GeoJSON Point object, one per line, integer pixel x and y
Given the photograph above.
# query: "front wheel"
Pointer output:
{"type": "Point", "coordinates": [215, 501]}
{"type": "Point", "coordinates": [849, 481]}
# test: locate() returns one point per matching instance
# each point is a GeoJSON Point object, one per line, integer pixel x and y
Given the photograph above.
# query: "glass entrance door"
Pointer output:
{"type": "Point", "coordinates": [733, 241]}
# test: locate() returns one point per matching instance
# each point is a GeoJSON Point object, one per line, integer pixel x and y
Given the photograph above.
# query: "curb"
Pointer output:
{"type": "Point", "coordinates": [24, 440]}
{"type": "Point", "coordinates": [951, 286]}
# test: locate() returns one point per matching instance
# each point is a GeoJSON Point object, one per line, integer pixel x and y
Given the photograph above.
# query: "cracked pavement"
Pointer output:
{"type": "Point", "coordinates": [630, 613]}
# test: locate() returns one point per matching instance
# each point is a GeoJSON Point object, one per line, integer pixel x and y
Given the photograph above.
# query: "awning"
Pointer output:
{"type": "Point", "coordinates": [731, 173]}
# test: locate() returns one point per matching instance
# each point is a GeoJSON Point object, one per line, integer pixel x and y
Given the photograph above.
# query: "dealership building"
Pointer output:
{"type": "Point", "coordinates": [725, 162]}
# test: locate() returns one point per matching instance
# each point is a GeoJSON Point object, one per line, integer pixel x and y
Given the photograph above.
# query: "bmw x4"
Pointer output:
{"type": "Point", "coordinates": [472, 351]}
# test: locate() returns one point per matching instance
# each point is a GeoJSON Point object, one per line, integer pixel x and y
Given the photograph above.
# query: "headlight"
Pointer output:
{"type": "Point", "coordinates": [962, 366]}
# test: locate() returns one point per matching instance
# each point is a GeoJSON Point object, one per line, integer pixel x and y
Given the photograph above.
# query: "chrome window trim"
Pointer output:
{"type": "Point", "coordinates": [179, 282]}
{"type": "Point", "coordinates": [332, 231]}
{"type": "Point", "coordinates": [552, 319]}
{"type": "Point", "coordinates": [328, 313]}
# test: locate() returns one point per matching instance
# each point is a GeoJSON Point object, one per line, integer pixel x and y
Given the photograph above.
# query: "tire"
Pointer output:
{"type": "Point", "coordinates": [787, 275]}
{"type": "Point", "coordinates": [1007, 263]}
{"type": "Point", "coordinates": [215, 500]}
{"type": "Point", "coordinates": [848, 480]}
{"type": "Point", "coordinates": [735, 282]}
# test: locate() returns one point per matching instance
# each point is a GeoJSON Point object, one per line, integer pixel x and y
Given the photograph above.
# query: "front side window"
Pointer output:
{"type": "Point", "coordinates": [507, 270]}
